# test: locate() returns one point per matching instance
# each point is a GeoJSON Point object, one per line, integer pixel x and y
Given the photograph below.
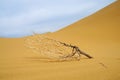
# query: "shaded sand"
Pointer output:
{"type": "Point", "coordinates": [97, 35]}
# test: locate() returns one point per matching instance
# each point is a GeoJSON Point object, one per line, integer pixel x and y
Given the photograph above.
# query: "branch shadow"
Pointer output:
{"type": "Point", "coordinates": [44, 59]}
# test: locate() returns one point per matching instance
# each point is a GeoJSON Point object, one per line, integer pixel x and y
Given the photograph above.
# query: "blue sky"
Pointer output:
{"type": "Point", "coordinates": [20, 18]}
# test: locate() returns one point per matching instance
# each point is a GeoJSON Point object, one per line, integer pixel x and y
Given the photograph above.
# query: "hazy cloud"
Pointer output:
{"type": "Point", "coordinates": [22, 17]}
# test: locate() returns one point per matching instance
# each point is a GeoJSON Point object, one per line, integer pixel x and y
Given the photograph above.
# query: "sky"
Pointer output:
{"type": "Point", "coordinates": [20, 18]}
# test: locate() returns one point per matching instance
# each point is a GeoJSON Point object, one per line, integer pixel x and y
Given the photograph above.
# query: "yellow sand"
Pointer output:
{"type": "Point", "coordinates": [97, 35]}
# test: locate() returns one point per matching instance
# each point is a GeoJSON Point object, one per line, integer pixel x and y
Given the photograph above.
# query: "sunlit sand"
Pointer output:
{"type": "Point", "coordinates": [98, 35]}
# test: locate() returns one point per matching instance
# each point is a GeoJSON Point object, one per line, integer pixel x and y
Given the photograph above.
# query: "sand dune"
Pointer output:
{"type": "Point", "coordinates": [97, 35]}
{"type": "Point", "coordinates": [104, 24]}
{"type": "Point", "coordinates": [100, 30]}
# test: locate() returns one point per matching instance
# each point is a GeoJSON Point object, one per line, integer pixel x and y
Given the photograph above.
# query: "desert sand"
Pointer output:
{"type": "Point", "coordinates": [97, 35]}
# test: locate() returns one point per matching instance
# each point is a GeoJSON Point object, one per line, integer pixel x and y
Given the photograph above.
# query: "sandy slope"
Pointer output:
{"type": "Point", "coordinates": [97, 35]}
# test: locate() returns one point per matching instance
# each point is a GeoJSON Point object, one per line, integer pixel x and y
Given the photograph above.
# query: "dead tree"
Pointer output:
{"type": "Point", "coordinates": [75, 50]}
{"type": "Point", "coordinates": [42, 39]}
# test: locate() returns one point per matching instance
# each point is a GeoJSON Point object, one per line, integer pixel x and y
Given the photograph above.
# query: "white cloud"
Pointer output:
{"type": "Point", "coordinates": [24, 16]}
{"type": "Point", "coordinates": [41, 14]}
